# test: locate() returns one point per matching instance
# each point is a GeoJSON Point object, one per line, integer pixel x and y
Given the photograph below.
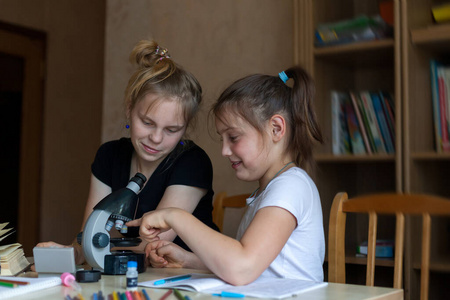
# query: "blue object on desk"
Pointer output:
{"type": "Point", "coordinates": [171, 279]}
{"type": "Point", "coordinates": [229, 295]}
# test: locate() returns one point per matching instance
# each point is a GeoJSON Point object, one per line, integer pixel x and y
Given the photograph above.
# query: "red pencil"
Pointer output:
{"type": "Point", "coordinates": [166, 295]}
{"type": "Point", "coordinates": [15, 281]}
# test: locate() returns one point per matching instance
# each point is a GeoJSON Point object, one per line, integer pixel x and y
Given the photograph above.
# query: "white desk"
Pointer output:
{"type": "Point", "coordinates": [109, 283]}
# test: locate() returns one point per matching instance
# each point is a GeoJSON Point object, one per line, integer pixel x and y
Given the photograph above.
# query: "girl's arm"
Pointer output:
{"type": "Point", "coordinates": [165, 254]}
{"type": "Point", "coordinates": [237, 262]}
{"type": "Point", "coordinates": [180, 196]}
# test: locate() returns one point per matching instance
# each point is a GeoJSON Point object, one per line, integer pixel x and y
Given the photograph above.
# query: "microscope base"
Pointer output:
{"type": "Point", "coordinates": [116, 262]}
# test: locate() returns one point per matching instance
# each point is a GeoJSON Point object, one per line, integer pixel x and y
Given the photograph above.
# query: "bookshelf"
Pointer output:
{"type": "Point", "coordinates": [426, 170]}
{"type": "Point", "coordinates": [399, 64]}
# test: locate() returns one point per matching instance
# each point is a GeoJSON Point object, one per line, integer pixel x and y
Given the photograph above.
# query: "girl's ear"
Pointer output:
{"type": "Point", "coordinates": [278, 127]}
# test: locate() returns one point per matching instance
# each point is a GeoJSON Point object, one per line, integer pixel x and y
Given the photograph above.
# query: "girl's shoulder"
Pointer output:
{"type": "Point", "coordinates": [293, 181]}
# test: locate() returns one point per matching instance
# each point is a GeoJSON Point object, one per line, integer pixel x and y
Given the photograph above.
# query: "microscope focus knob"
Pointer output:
{"type": "Point", "coordinates": [100, 240]}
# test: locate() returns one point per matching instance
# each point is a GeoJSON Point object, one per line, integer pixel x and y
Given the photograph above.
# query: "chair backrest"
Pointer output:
{"type": "Point", "coordinates": [389, 203]}
{"type": "Point", "coordinates": [222, 201]}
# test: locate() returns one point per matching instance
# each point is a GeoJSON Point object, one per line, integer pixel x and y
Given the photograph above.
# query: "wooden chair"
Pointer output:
{"type": "Point", "coordinates": [222, 201]}
{"type": "Point", "coordinates": [395, 204]}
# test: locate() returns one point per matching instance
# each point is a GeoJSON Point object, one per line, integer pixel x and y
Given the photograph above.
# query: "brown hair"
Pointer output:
{"type": "Point", "coordinates": [256, 98]}
{"type": "Point", "coordinates": [158, 74]}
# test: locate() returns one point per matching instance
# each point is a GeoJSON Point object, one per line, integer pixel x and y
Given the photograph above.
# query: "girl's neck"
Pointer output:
{"type": "Point", "coordinates": [263, 183]}
{"type": "Point", "coordinates": [145, 168]}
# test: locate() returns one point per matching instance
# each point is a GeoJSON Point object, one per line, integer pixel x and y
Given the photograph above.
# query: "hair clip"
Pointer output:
{"type": "Point", "coordinates": [283, 76]}
{"type": "Point", "coordinates": [164, 53]}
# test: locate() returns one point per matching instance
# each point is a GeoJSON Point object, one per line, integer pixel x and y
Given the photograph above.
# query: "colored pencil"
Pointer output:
{"type": "Point", "coordinates": [8, 284]}
{"type": "Point", "coordinates": [166, 295]}
{"type": "Point", "coordinates": [178, 294]}
{"type": "Point", "coordinates": [15, 281]}
{"type": "Point", "coordinates": [137, 295]}
{"type": "Point", "coordinates": [145, 294]}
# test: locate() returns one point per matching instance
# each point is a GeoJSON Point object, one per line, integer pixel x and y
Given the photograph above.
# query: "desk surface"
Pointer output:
{"type": "Point", "coordinates": [110, 283]}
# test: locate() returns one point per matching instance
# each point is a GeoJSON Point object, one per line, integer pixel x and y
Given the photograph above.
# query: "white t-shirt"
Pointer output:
{"type": "Point", "coordinates": [303, 254]}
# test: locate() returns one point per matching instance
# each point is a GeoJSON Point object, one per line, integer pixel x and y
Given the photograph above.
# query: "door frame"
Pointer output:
{"type": "Point", "coordinates": [30, 45]}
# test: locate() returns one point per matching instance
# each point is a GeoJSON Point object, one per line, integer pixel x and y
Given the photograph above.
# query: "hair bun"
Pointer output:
{"type": "Point", "coordinates": [147, 54]}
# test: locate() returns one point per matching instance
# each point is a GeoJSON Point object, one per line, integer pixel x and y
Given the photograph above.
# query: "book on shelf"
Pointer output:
{"type": "Point", "coordinates": [276, 288]}
{"type": "Point", "coordinates": [441, 12]}
{"type": "Point", "coordinates": [12, 256]}
{"type": "Point", "coordinates": [382, 122]}
{"type": "Point", "coordinates": [356, 139]}
{"type": "Point", "coordinates": [441, 104]}
{"type": "Point", "coordinates": [387, 103]}
{"type": "Point", "coordinates": [340, 137]}
{"type": "Point", "coordinates": [360, 28]}
{"type": "Point", "coordinates": [365, 122]}
{"type": "Point", "coordinates": [435, 102]}
{"type": "Point", "coordinates": [374, 128]}
{"type": "Point", "coordinates": [361, 123]}
{"type": "Point", "coordinates": [383, 248]}
{"type": "Point", "coordinates": [443, 109]}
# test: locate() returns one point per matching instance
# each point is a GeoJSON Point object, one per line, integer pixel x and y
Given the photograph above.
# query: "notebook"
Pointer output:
{"type": "Point", "coordinates": [277, 288]}
{"type": "Point", "coordinates": [35, 284]}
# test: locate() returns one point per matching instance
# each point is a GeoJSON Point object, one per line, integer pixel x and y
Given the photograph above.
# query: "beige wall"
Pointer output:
{"type": "Point", "coordinates": [73, 103]}
{"type": "Point", "coordinates": [218, 41]}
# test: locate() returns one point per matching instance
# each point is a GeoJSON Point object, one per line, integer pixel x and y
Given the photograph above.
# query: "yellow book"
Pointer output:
{"type": "Point", "coordinates": [441, 13]}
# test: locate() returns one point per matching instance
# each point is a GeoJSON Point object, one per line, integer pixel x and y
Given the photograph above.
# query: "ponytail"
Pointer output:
{"type": "Point", "coordinates": [304, 126]}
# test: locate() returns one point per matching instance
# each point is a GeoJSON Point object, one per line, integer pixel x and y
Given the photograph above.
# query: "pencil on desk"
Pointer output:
{"type": "Point", "coordinates": [8, 284]}
{"type": "Point", "coordinates": [178, 294]}
{"type": "Point", "coordinates": [115, 297]}
{"type": "Point", "coordinates": [145, 294]}
{"type": "Point", "coordinates": [137, 295]}
{"type": "Point", "coordinates": [14, 281]}
{"type": "Point", "coordinates": [166, 295]}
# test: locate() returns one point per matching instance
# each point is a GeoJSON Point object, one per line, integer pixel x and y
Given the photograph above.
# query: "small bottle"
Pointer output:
{"type": "Point", "coordinates": [68, 279]}
{"type": "Point", "coordinates": [132, 276]}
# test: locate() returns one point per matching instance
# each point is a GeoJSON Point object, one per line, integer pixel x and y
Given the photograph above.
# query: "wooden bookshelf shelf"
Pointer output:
{"type": "Point", "coordinates": [381, 262]}
{"type": "Point", "coordinates": [330, 158]}
{"type": "Point", "coordinates": [437, 35]}
{"type": "Point", "coordinates": [359, 54]}
{"type": "Point", "coordinates": [430, 156]}
{"type": "Point", "coordinates": [442, 267]}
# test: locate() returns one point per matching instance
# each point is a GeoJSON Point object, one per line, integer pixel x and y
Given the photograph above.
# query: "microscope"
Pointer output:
{"type": "Point", "coordinates": [114, 210]}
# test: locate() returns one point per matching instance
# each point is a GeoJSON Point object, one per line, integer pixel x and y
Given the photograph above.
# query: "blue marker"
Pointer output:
{"type": "Point", "coordinates": [172, 279]}
{"type": "Point", "coordinates": [229, 295]}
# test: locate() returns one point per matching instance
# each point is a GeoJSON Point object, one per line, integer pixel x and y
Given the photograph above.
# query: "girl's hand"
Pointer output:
{"type": "Point", "coordinates": [165, 254]}
{"type": "Point", "coordinates": [153, 223]}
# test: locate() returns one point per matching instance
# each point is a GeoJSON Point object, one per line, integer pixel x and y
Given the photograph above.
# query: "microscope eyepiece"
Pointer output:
{"type": "Point", "coordinates": [139, 179]}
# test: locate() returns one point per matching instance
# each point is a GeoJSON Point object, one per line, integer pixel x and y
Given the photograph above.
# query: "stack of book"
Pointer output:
{"type": "Point", "coordinates": [440, 92]}
{"type": "Point", "coordinates": [12, 257]}
{"type": "Point", "coordinates": [362, 122]}
{"type": "Point", "coordinates": [360, 28]}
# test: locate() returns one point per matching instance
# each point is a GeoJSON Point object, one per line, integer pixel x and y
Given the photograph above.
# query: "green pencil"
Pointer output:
{"type": "Point", "coordinates": [8, 284]}
{"type": "Point", "coordinates": [178, 294]}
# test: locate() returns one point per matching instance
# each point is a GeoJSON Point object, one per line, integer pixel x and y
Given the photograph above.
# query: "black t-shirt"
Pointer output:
{"type": "Point", "coordinates": [187, 164]}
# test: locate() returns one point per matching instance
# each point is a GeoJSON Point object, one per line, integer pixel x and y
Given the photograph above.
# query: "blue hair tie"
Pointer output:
{"type": "Point", "coordinates": [283, 76]}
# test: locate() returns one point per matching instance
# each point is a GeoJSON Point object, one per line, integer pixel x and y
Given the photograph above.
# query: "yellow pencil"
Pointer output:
{"type": "Point", "coordinates": [115, 297]}
{"type": "Point", "coordinates": [80, 296]}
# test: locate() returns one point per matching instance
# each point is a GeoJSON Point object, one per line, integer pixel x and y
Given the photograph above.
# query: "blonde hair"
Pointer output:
{"type": "Point", "coordinates": [159, 75]}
